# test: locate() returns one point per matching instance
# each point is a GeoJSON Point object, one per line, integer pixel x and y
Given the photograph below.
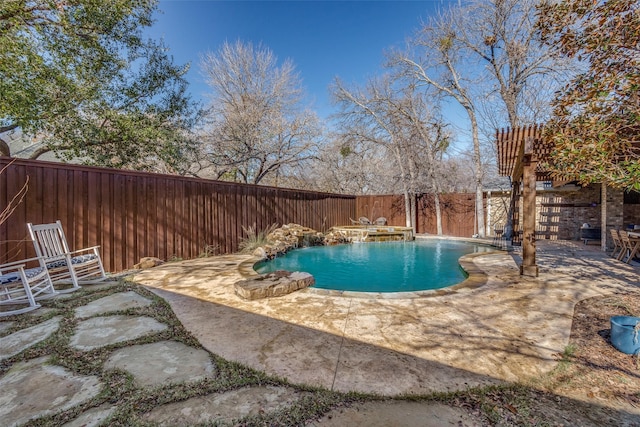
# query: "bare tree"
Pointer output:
{"type": "Point", "coordinates": [393, 115]}
{"type": "Point", "coordinates": [256, 122]}
{"type": "Point", "coordinates": [438, 62]}
{"type": "Point", "coordinates": [524, 73]}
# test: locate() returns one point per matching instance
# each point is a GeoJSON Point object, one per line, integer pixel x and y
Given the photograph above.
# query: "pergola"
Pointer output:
{"type": "Point", "coordinates": [521, 155]}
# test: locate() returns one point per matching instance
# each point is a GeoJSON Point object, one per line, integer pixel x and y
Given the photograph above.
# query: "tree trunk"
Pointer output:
{"type": "Point", "coordinates": [4, 148]}
{"type": "Point", "coordinates": [436, 202]}
{"type": "Point", "coordinates": [477, 162]}
{"type": "Point", "coordinates": [407, 208]}
{"type": "Point", "coordinates": [39, 152]}
{"type": "Point", "coordinates": [413, 200]}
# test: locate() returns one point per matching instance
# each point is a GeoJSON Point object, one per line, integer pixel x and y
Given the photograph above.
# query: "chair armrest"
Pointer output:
{"type": "Point", "coordinates": [22, 262]}
{"type": "Point", "coordinates": [12, 266]}
{"type": "Point", "coordinates": [91, 248]}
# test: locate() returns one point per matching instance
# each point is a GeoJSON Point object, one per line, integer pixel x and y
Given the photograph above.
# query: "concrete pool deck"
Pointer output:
{"type": "Point", "coordinates": [507, 329]}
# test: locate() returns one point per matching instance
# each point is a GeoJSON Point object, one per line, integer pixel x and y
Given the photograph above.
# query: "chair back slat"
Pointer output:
{"type": "Point", "coordinates": [615, 236]}
{"type": "Point", "coordinates": [624, 237]}
{"type": "Point", "coordinates": [49, 240]}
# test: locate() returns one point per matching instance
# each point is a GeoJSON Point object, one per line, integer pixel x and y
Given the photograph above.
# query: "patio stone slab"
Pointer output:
{"type": "Point", "coordinates": [34, 389]}
{"type": "Point", "coordinates": [162, 363]}
{"type": "Point", "coordinates": [93, 417]}
{"type": "Point", "coordinates": [101, 331]}
{"type": "Point", "coordinates": [225, 407]}
{"type": "Point", "coordinates": [406, 414]}
{"type": "Point", "coordinates": [115, 302]}
{"type": "Point", "coordinates": [16, 342]}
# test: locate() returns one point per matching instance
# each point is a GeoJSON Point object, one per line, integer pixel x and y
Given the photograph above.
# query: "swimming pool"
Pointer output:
{"type": "Point", "coordinates": [418, 265]}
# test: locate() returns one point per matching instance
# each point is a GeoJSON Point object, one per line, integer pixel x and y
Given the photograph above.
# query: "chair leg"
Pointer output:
{"type": "Point", "coordinates": [21, 299]}
{"type": "Point", "coordinates": [615, 249]}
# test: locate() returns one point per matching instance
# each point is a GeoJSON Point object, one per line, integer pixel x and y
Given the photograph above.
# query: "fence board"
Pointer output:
{"type": "Point", "coordinates": [135, 214]}
{"type": "Point", "coordinates": [457, 212]}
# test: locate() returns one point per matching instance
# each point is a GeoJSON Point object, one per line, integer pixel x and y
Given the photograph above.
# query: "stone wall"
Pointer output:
{"type": "Point", "coordinates": [497, 209]}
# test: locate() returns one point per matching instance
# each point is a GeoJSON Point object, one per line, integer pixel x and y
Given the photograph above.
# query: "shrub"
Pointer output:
{"type": "Point", "coordinates": [254, 238]}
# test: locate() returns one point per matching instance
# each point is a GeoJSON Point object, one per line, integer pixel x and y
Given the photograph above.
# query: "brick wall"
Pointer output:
{"type": "Point", "coordinates": [561, 212]}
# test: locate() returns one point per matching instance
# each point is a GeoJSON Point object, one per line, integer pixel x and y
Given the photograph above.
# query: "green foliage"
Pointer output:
{"type": "Point", "coordinates": [254, 238]}
{"type": "Point", "coordinates": [596, 126]}
{"type": "Point", "coordinates": [569, 352]}
{"type": "Point", "coordinates": [346, 151]}
{"type": "Point", "coordinates": [78, 76]}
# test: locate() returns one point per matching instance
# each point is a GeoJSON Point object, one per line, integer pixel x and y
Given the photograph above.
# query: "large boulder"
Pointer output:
{"type": "Point", "coordinates": [273, 284]}
{"type": "Point", "coordinates": [336, 237]}
{"type": "Point", "coordinates": [291, 236]}
{"type": "Point", "coordinates": [148, 262]}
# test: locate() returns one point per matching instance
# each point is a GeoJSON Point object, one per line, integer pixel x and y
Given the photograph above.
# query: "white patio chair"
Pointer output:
{"type": "Point", "coordinates": [364, 220]}
{"type": "Point", "coordinates": [20, 288]}
{"type": "Point", "coordinates": [64, 265]}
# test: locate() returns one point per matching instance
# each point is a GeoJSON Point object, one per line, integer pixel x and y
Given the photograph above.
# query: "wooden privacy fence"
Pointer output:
{"type": "Point", "coordinates": [458, 212]}
{"type": "Point", "coordinates": [135, 214]}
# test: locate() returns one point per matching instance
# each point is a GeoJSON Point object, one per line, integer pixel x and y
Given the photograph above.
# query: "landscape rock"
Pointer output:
{"type": "Point", "coordinates": [291, 236]}
{"type": "Point", "coordinates": [260, 253]}
{"type": "Point", "coordinates": [336, 237]}
{"type": "Point", "coordinates": [273, 284]}
{"type": "Point", "coordinates": [148, 262]}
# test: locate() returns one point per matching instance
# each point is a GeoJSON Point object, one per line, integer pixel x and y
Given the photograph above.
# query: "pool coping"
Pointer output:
{"type": "Point", "coordinates": [476, 276]}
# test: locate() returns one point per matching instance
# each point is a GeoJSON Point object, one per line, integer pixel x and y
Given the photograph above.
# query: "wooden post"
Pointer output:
{"type": "Point", "coordinates": [529, 267]}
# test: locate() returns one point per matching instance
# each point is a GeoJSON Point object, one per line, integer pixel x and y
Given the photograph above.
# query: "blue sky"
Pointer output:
{"type": "Point", "coordinates": [324, 39]}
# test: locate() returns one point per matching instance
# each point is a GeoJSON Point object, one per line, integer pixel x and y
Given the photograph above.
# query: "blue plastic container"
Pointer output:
{"type": "Point", "coordinates": [624, 335]}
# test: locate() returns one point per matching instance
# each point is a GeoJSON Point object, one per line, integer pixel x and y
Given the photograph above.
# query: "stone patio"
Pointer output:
{"type": "Point", "coordinates": [497, 327]}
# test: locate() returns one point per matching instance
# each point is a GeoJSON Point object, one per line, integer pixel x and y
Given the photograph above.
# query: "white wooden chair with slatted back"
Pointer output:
{"type": "Point", "coordinates": [64, 265]}
{"type": "Point", "coordinates": [21, 287]}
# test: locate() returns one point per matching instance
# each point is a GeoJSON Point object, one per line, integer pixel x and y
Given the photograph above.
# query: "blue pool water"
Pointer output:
{"type": "Point", "coordinates": [379, 267]}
